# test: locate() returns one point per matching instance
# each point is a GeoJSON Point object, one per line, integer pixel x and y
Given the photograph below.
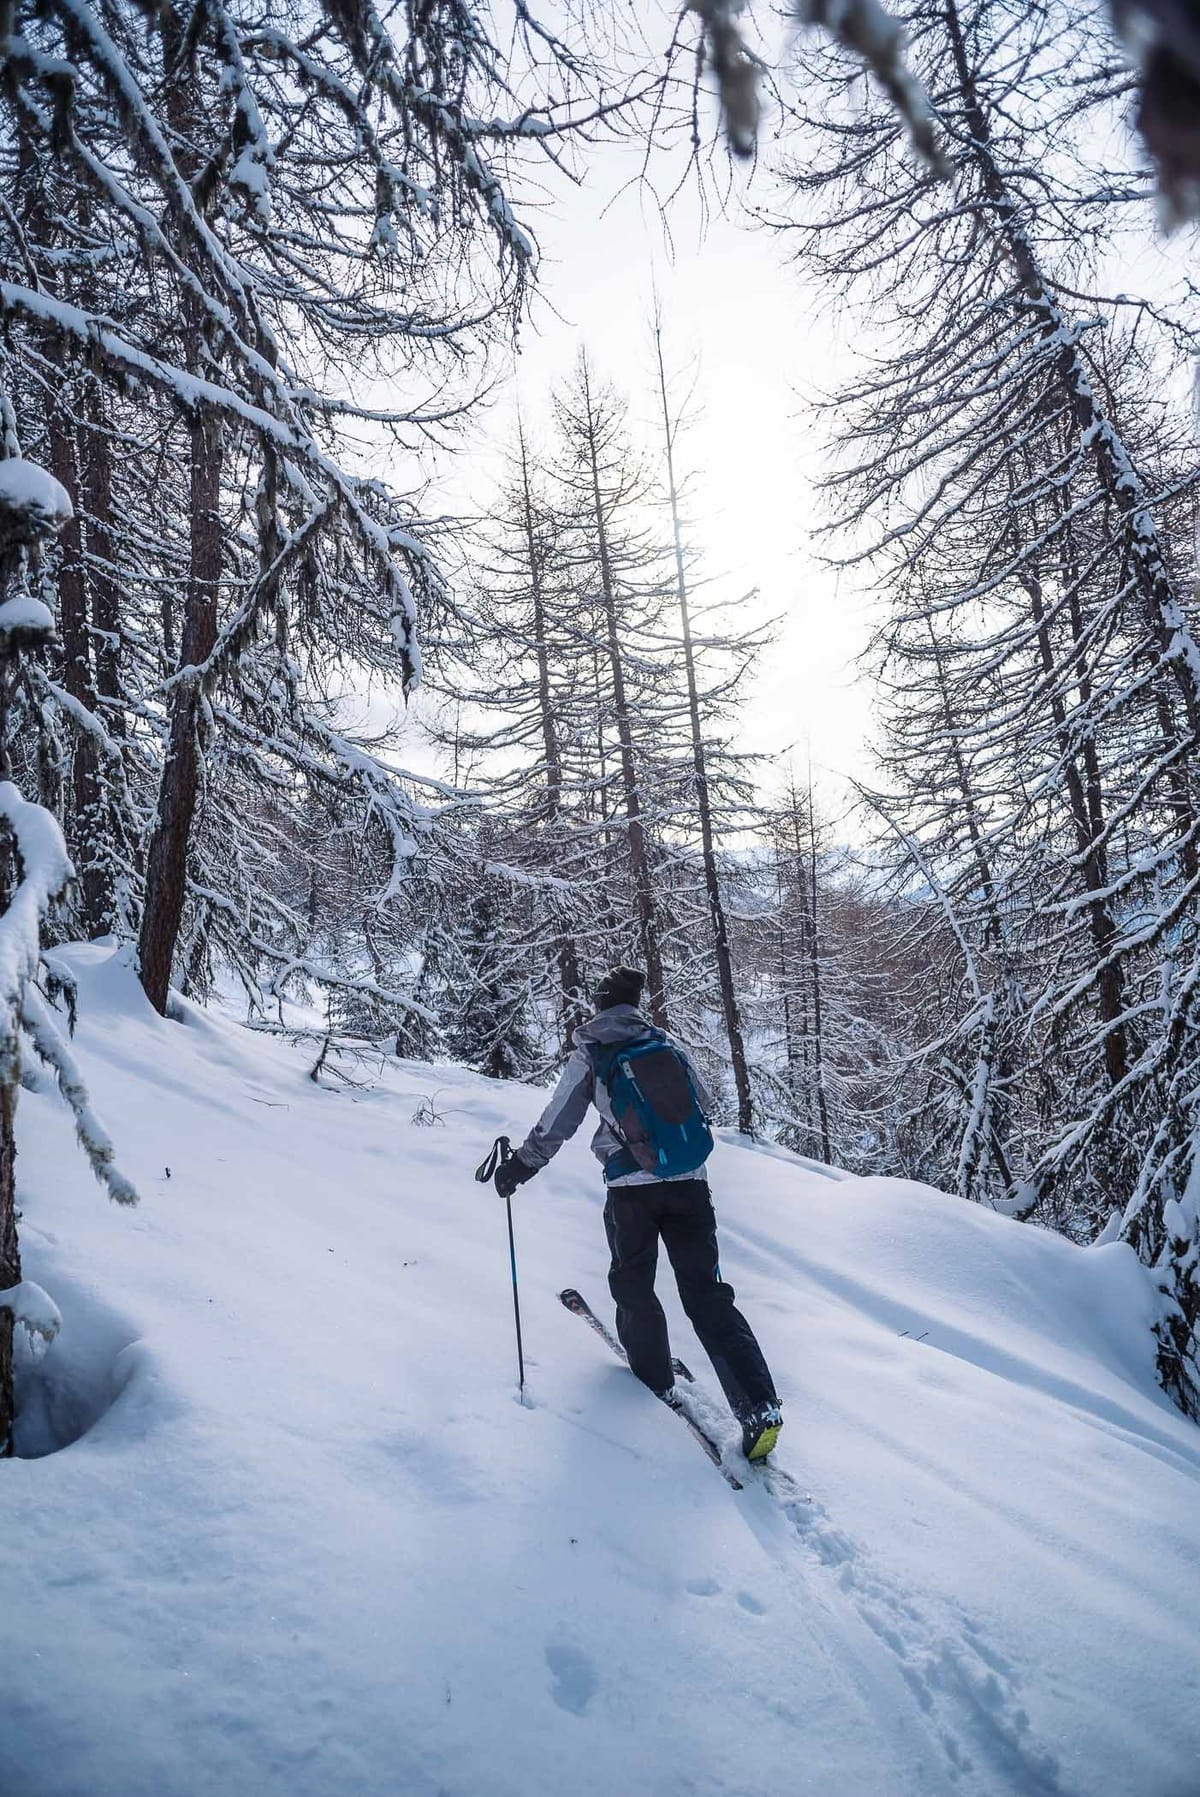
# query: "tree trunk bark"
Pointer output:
{"type": "Point", "coordinates": [96, 461]}
{"type": "Point", "coordinates": [993, 932]}
{"type": "Point", "coordinates": [814, 961]}
{"type": "Point", "coordinates": [1087, 814]}
{"type": "Point", "coordinates": [608, 916]}
{"type": "Point", "coordinates": [10, 1253]}
{"type": "Point", "coordinates": [166, 862]}
{"type": "Point", "coordinates": [791, 1047]}
{"type": "Point", "coordinates": [87, 813]}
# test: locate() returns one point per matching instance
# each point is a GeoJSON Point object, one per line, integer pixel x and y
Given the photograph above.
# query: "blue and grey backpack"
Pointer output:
{"type": "Point", "coordinates": [654, 1102]}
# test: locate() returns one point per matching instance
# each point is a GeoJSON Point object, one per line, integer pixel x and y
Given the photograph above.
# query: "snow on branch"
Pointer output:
{"type": "Point", "coordinates": [290, 966]}
{"type": "Point", "coordinates": [29, 493]}
{"type": "Point", "coordinates": [34, 1309]}
{"type": "Point", "coordinates": [415, 85]}
{"type": "Point", "coordinates": [254, 158]}
{"type": "Point", "coordinates": [33, 509]}
{"type": "Point", "coordinates": [91, 1133]}
{"type": "Point", "coordinates": [45, 870]}
{"type": "Point", "coordinates": [300, 450]}
{"type": "Point", "coordinates": [25, 623]}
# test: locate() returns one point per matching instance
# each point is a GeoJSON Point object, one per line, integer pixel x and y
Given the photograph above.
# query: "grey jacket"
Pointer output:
{"type": "Point", "coordinates": [578, 1087]}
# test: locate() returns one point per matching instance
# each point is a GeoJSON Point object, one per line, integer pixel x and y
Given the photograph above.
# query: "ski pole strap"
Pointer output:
{"type": "Point", "coordinates": [500, 1151]}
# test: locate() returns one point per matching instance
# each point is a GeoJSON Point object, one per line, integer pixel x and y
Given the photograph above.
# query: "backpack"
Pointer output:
{"type": "Point", "coordinates": [654, 1103]}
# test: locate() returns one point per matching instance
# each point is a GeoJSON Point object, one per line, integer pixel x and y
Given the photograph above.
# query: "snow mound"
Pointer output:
{"type": "Point", "coordinates": [304, 1540]}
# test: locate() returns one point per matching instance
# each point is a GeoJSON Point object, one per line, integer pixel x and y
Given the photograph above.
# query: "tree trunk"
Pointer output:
{"type": "Point", "coordinates": [1088, 819]}
{"type": "Point", "coordinates": [993, 933]}
{"type": "Point", "coordinates": [791, 1046]}
{"type": "Point", "coordinates": [572, 1003]}
{"type": "Point", "coordinates": [712, 879]}
{"type": "Point", "coordinates": [10, 1253]}
{"type": "Point", "coordinates": [814, 962]}
{"type": "Point", "coordinates": [87, 815]}
{"type": "Point", "coordinates": [166, 862]}
{"type": "Point", "coordinates": [997, 1065]}
{"type": "Point", "coordinates": [96, 462]}
{"type": "Point", "coordinates": [639, 865]}
{"type": "Point", "coordinates": [608, 916]}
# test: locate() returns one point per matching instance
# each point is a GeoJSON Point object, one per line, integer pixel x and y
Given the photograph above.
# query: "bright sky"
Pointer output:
{"type": "Point", "coordinates": [765, 343]}
{"type": "Point", "coordinates": [732, 306]}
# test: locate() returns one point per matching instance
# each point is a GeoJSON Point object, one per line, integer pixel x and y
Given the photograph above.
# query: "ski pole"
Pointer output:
{"type": "Point", "coordinates": [512, 1255]}
{"type": "Point", "coordinates": [501, 1151]}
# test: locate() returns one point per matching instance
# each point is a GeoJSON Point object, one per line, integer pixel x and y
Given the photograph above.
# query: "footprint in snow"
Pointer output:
{"type": "Point", "coordinates": [573, 1676]}
{"type": "Point", "coordinates": [750, 1603]}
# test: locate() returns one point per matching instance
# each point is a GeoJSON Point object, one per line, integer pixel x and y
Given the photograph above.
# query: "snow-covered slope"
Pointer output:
{"type": "Point", "coordinates": [311, 1545]}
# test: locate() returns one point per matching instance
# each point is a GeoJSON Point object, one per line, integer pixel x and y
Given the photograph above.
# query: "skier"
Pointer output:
{"type": "Point", "coordinates": [643, 1206]}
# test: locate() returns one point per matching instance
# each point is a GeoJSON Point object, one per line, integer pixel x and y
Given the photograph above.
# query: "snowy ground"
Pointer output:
{"type": "Point", "coordinates": [311, 1545]}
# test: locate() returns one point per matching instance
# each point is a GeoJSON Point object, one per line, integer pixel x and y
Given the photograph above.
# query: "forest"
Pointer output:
{"type": "Point", "coordinates": [249, 254]}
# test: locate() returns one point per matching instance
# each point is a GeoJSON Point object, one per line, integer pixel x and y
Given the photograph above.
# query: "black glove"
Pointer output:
{"type": "Point", "coordinates": [512, 1173]}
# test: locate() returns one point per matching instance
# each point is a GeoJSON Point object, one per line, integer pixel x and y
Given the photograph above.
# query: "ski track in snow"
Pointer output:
{"type": "Point", "coordinates": [967, 1693]}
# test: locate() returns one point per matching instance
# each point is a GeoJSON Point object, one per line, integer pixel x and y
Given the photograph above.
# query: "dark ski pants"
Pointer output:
{"type": "Point", "coordinates": [681, 1213]}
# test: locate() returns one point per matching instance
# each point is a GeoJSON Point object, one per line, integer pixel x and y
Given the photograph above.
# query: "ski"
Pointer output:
{"type": "Point", "coordinates": [766, 1472]}
{"type": "Point", "coordinates": [579, 1306]}
{"type": "Point", "coordinates": [711, 1447]}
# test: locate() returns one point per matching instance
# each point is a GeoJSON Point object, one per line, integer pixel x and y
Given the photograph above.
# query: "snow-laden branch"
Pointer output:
{"type": "Point", "coordinates": [45, 869]}
{"type": "Point", "coordinates": [92, 1136]}
{"type": "Point", "coordinates": [34, 1309]}
{"type": "Point", "coordinates": [299, 449]}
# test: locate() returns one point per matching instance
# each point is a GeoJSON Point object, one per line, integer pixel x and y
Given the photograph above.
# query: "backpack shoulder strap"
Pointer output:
{"type": "Point", "coordinates": [604, 1055]}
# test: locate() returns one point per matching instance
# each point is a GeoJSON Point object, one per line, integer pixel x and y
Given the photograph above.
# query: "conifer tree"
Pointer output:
{"type": "Point", "coordinates": [704, 808]}
{"type": "Point", "coordinates": [1015, 477]}
{"type": "Point", "coordinates": [604, 489]}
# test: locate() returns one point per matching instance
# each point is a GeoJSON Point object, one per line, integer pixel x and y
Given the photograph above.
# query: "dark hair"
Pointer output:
{"type": "Point", "coordinates": [620, 986]}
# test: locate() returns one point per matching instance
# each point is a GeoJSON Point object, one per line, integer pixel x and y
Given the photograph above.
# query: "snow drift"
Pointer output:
{"type": "Point", "coordinates": [284, 1529]}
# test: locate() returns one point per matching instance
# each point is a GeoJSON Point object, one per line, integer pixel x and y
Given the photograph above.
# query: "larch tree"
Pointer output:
{"type": "Point", "coordinates": [696, 724]}
{"type": "Point", "coordinates": [605, 489]}
{"type": "Point", "coordinates": [238, 248]}
{"type": "Point", "coordinates": [1015, 476]}
{"type": "Point", "coordinates": [509, 675]}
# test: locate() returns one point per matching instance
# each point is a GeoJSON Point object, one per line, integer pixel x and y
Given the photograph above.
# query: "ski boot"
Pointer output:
{"type": "Point", "coordinates": [760, 1430]}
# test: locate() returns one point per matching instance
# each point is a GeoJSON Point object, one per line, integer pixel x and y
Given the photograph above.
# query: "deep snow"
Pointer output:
{"type": "Point", "coordinates": [307, 1543]}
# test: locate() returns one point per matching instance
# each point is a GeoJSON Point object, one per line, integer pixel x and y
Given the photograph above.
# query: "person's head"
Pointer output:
{"type": "Point", "coordinates": [620, 986]}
